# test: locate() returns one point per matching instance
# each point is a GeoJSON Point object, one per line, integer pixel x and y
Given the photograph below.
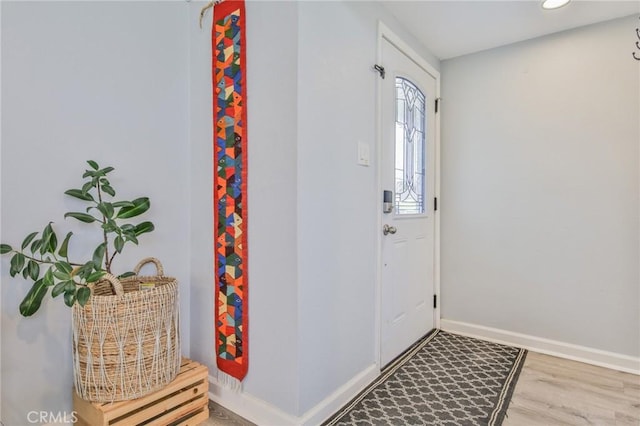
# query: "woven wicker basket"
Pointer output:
{"type": "Point", "coordinates": [127, 344]}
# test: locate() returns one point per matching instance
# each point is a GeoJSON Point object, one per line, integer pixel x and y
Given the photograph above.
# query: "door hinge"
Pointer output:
{"type": "Point", "coordinates": [437, 104]}
{"type": "Point", "coordinates": [380, 69]}
{"type": "Point", "coordinates": [435, 204]}
{"type": "Point", "coordinates": [435, 301]}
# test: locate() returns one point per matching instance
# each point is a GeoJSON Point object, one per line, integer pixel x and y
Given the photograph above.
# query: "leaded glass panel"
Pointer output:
{"type": "Point", "coordinates": [409, 148]}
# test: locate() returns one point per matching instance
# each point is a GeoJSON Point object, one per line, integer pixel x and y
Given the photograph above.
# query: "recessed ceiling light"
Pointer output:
{"type": "Point", "coordinates": [554, 4]}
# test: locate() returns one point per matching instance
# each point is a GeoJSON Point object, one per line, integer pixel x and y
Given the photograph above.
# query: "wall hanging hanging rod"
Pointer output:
{"type": "Point", "coordinates": [207, 7]}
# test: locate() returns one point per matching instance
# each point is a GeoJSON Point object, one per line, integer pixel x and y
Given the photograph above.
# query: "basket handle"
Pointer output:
{"type": "Point", "coordinates": [115, 283]}
{"type": "Point", "coordinates": [146, 260]}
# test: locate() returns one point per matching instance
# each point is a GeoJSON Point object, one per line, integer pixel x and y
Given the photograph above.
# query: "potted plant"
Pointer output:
{"type": "Point", "coordinates": [125, 328]}
{"type": "Point", "coordinates": [42, 260]}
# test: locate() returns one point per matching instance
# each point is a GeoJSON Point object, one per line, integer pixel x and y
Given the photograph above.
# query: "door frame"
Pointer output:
{"type": "Point", "coordinates": [385, 33]}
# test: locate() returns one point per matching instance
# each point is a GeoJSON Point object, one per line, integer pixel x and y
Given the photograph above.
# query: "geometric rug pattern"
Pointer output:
{"type": "Point", "coordinates": [444, 379]}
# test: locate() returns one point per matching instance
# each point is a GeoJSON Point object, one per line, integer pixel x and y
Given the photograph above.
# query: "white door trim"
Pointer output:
{"type": "Point", "coordinates": [385, 33]}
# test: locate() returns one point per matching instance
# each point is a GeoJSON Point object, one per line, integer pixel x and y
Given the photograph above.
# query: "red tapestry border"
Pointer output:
{"type": "Point", "coordinates": [230, 188]}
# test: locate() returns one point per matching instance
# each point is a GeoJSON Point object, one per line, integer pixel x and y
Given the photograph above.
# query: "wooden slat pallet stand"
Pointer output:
{"type": "Point", "coordinates": [183, 402]}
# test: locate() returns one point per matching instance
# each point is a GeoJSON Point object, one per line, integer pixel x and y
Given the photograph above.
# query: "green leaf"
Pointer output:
{"type": "Point", "coordinates": [53, 242]}
{"type": "Point", "coordinates": [89, 173]}
{"type": "Point", "coordinates": [17, 263]}
{"type": "Point", "coordinates": [28, 240]}
{"type": "Point", "coordinates": [82, 217]}
{"type": "Point", "coordinates": [106, 170]}
{"type": "Point", "coordinates": [86, 187]}
{"type": "Point", "coordinates": [83, 295]}
{"type": "Point", "coordinates": [98, 255]}
{"type": "Point", "coordinates": [35, 245]}
{"type": "Point", "coordinates": [110, 225]}
{"type": "Point", "coordinates": [64, 248]}
{"type": "Point", "coordinates": [119, 204]}
{"type": "Point", "coordinates": [69, 298]}
{"type": "Point", "coordinates": [141, 205]}
{"type": "Point", "coordinates": [31, 303]}
{"type": "Point", "coordinates": [61, 275]}
{"type": "Point", "coordinates": [5, 248]}
{"type": "Point", "coordinates": [81, 194]}
{"type": "Point", "coordinates": [127, 274]}
{"type": "Point", "coordinates": [46, 238]}
{"type": "Point", "coordinates": [64, 267]}
{"type": "Point", "coordinates": [48, 278]}
{"type": "Point", "coordinates": [34, 270]}
{"type": "Point", "coordinates": [70, 286]}
{"type": "Point", "coordinates": [143, 228]}
{"type": "Point", "coordinates": [93, 164]}
{"type": "Point", "coordinates": [130, 236]}
{"type": "Point", "coordinates": [58, 289]}
{"type": "Point", "coordinates": [85, 270]}
{"type": "Point", "coordinates": [106, 209]}
{"type": "Point", "coordinates": [109, 190]}
{"type": "Point", "coordinates": [127, 227]}
{"type": "Point", "coordinates": [25, 273]}
{"type": "Point", "coordinates": [95, 276]}
{"type": "Point", "coordinates": [118, 242]}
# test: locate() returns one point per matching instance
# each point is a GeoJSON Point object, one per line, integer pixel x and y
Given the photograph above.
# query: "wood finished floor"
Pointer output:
{"type": "Point", "coordinates": [550, 391]}
{"type": "Point", "coordinates": [555, 391]}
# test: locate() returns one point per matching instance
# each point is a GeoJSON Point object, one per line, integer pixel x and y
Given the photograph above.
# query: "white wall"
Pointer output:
{"type": "Point", "coordinates": [104, 81]}
{"type": "Point", "coordinates": [540, 188]}
{"type": "Point", "coordinates": [336, 204]}
{"type": "Point", "coordinates": [337, 200]}
{"type": "Point", "coordinates": [272, 127]}
{"type": "Point", "coordinates": [548, 235]}
{"type": "Point", "coordinates": [311, 97]}
{"type": "Point", "coordinates": [83, 80]}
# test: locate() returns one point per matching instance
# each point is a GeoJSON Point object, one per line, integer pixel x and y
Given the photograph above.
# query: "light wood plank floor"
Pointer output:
{"type": "Point", "coordinates": [550, 391]}
{"type": "Point", "coordinates": [555, 391]}
{"type": "Point", "coordinates": [220, 416]}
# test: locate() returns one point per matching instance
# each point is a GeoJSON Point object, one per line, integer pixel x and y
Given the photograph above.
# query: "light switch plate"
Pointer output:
{"type": "Point", "coordinates": [363, 153]}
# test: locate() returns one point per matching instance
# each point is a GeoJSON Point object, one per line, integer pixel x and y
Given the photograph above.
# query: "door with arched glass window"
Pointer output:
{"type": "Point", "coordinates": [407, 172]}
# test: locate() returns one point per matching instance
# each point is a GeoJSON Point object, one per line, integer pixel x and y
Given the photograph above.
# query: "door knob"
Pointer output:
{"type": "Point", "coordinates": [386, 229]}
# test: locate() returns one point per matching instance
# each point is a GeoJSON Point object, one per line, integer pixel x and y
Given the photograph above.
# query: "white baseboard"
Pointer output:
{"type": "Point", "coordinates": [598, 357]}
{"type": "Point", "coordinates": [251, 408]}
{"type": "Point", "coordinates": [265, 414]}
{"type": "Point", "coordinates": [340, 397]}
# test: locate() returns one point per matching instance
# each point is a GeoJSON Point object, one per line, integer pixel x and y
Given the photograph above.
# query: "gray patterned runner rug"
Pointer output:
{"type": "Point", "coordinates": [444, 379]}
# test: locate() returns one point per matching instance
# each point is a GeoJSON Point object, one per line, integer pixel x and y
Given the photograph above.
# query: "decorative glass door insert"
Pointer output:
{"type": "Point", "coordinates": [409, 149]}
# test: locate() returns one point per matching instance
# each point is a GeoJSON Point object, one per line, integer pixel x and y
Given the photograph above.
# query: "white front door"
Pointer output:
{"type": "Point", "coordinates": [407, 169]}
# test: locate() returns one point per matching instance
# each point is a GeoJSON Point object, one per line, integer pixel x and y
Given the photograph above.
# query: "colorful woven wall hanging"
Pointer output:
{"type": "Point", "coordinates": [230, 187]}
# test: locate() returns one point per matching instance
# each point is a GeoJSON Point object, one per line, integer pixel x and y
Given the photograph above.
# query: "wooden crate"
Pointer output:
{"type": "Point", "coordinates": [183, 402]}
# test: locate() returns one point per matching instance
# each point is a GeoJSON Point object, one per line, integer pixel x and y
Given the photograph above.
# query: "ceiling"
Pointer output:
{"type": "Point", "coordinates": [453, 28]}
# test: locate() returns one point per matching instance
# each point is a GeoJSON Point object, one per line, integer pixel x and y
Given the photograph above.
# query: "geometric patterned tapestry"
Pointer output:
{"type": "Point", "coordinates": [230, 187]}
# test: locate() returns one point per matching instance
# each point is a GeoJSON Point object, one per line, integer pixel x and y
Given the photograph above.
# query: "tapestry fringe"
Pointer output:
{"type": "Point", "coordinates": [229, 382]}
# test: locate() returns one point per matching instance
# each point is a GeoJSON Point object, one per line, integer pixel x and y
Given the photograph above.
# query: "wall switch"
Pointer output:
{"type": "Point", "coordinates": [363, 153]}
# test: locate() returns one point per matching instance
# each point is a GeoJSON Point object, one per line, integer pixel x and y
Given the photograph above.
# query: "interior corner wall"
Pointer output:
{"type": "Point", "coordinates": [337, 198]}
{"type": "Point", "coordinates": [272, 189]}
{"type": "Point", "coordinates": [540, 190]}
{"type": "Point", "coordinates": [86, 80]}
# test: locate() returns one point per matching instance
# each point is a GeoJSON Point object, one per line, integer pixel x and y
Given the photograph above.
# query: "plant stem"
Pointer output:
{"type": "Point", "coordinates": [48, 262]}
{"type": "Point", "coordinates": [107, 262]}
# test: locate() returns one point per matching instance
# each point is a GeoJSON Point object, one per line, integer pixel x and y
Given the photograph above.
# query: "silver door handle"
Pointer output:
{"type": "Point", "coordinates": [386, 229]}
